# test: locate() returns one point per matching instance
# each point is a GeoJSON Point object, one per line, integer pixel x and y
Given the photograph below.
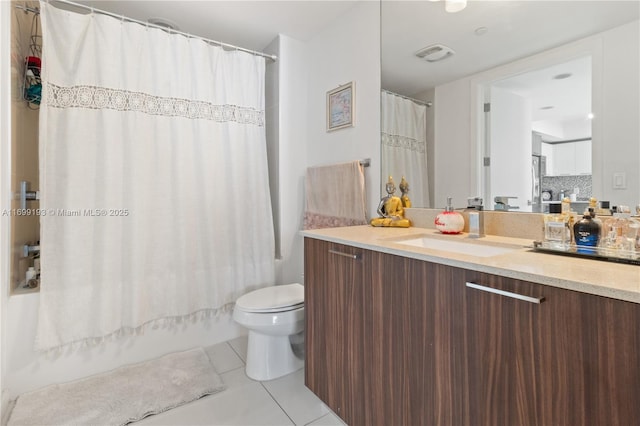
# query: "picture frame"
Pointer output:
{"type": "Point", "coordinates": [341, 107]}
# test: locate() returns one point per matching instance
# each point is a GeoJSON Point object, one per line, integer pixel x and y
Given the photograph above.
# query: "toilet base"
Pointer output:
{"type": "Point", "coordinates": [270, 357]}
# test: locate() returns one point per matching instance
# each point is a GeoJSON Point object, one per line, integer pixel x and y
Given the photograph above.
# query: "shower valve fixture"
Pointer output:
{"type": "Point", "coordinates": [27, 250]}
{"type": "Point", "coordinates": [26, 195]}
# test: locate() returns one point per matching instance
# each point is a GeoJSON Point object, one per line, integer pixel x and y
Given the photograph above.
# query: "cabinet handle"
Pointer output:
{"type": "Point", "coordinates": [506, 293]}
{"type": "Point", "coordinates": [349, 255]}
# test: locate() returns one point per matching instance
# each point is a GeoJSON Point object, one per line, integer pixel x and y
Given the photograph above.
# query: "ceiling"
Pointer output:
{"type": "Point", "coordinates": [515, 29]}
{"type": "Point", "coordinates": [248, 24]}
{"type": "Point", "coordinates": [561, 92]}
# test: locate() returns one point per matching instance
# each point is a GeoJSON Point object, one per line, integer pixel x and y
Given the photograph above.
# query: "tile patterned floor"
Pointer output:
{"type": "Point", "coordinates": [283, 401]}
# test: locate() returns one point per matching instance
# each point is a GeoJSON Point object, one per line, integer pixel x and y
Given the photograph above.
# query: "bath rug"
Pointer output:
{"type": "Point", "coordinates": [123, 395]}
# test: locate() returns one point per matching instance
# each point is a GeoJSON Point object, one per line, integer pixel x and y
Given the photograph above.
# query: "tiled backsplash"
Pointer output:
{"type": "Point", "coordinates": [568, 183]}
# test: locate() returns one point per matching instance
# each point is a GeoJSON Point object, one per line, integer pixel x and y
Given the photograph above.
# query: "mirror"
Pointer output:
{"type": "Point", "coordinates": [538, 138]}
{"type": "Point", "coordinates": [493, 42]}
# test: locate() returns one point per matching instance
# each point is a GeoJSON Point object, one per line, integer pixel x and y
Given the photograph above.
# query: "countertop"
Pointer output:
{"type": "Point", "coordinates": [608, 279]}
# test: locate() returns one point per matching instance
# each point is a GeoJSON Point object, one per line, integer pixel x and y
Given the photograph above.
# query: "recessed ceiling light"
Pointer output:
{"type": "Point", "coordinates": [590, 116]}
{"type": "Point", "coordinates": [562, 76]}
{"type": "Point", "coordinates": [453, 6]}
{"type": "Point", "coordinates": [480, 31]}
{"type": "Point", "coordinates": [547, 107]}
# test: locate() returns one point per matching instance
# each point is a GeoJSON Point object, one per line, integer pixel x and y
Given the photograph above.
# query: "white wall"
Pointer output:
{"type": "Point", "coordinates": [618, 149]}
{"type": "Point", "coordinates": [511, 143]}
{"type": "Point", "coordinates": [347, 51]}
{"type": "Point", "coordinates": [454, 154]}
{"type": "Point", "coordinates": [272, 127]}
{"type": "Point", "coordinates": [616, 128]}
{"type": "Point", "coordinates": [292, 156]}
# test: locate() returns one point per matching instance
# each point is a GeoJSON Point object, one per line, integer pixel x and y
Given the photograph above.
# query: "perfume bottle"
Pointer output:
{"type": "Point", "coordinates": [586, 233]}
{"type": "Point", "coordinates": [621, 233]}
{"type": "Point", "coordinates": [556, 228]}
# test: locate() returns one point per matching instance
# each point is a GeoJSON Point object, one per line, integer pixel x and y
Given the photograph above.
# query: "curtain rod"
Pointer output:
{"type": "Point", "coordinates": [418, 101]}
{"type": "Point", "coordinates": [148, 24]}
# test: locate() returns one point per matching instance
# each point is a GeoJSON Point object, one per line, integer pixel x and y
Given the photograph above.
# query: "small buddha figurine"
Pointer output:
{"type": "Point", "coordinates": [404, 189]}
{"type": "Point", "coordinates": [390, 209]}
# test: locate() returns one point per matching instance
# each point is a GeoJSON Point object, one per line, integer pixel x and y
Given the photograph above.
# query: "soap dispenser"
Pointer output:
{"type": "Point", "coordinates": [449, 221]}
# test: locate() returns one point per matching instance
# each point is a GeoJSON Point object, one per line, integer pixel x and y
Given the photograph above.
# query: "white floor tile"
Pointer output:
{"type": "Point", "coordinates": [224, 358]}
{"type": "Point", "coordinates": [240, 346]}
{"type": "Point", "coordinates": [328, 420]}
{"type": "Point", "coordinates": [244, 402]}
{"type": "Point", "coordinates": [300, 404]}
{"type": "Point", "coordinates": [283, 401]}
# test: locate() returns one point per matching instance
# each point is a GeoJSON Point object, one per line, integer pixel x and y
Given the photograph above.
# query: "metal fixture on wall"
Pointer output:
{"type": "Point", "coordinates": [26, 195]}
{"type": "Point", "coordinates": [29, 249]}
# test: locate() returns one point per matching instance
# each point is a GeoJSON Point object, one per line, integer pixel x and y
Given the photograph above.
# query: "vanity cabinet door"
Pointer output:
{"type": "Point", "coordinates": [335, 311]}
{"type": "Point", "coordinates": [503, 350]}
{"type": "Point", "coordinates": [573, 359]}
{"type": "Point", "coordinates": [416, 375]}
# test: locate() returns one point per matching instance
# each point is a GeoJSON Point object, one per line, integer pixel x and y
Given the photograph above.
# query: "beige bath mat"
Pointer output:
{"type": "Point", "coordinates": [121, 396]}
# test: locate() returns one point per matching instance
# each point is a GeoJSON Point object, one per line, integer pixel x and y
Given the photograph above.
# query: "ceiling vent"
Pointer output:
{"type": "Point", "coordinates": [164, 23]}
{"type": "Point", "coordinates": [435, 53]}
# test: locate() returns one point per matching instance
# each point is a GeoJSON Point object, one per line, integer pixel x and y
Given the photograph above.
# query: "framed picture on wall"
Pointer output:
{"type": "Point", "coordinates": [340, 107]}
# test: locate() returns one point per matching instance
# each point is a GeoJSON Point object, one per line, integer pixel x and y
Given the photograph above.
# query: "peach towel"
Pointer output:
{"type": "Point", "coordinates": [335, 196]}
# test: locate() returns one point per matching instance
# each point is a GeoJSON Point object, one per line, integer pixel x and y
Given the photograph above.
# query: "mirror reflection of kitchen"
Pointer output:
{"type": "Point", "coordinates": [538, 138]}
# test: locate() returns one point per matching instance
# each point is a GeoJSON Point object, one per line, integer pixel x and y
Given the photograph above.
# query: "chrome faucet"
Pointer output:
{"type": "Point", "coordinates": [476, 217]}
{"type": "Point", "coordinates": [502, 202]}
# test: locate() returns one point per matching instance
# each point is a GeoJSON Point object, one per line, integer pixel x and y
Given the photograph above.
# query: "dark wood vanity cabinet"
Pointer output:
{"type": "Point", "coordinates": [335, 326]}
{"type": "Point", "coordinates": [397, 341]}
{"type": "Point", "coordinates": [572, 359]}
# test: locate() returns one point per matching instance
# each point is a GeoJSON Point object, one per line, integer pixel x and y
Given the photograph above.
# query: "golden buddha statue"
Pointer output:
{"type": "Point", "coordinates": [404, 189]}
{"type": "Point", "coordinates": [391, 209]}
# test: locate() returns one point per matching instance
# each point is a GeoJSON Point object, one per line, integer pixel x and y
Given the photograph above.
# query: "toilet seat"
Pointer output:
{"type": "Point", "coordinates": [279, 298]}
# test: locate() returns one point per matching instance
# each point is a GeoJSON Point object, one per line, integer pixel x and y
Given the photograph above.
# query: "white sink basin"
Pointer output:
{"type": "Point", "coordinates": [476, 248]}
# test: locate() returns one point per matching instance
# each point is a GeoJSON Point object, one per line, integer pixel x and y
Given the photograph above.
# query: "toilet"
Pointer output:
{"type": "Point", "coordinates": [272, 315]}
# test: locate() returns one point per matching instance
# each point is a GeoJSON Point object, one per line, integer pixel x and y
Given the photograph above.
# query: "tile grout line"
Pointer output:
{"type": "Point", "coordinates": [261, 383]}
{"type": "Point", "coordinates": [228, 342]}
{"type": "Point", "coordinates": [321, 417]}
{"type": "Point", "coordinates": [277, 403]}
{"type": "Point", "coordinates": [237, 353]}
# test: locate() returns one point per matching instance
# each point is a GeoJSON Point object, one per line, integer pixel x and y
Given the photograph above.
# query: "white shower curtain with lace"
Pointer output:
{"type": "Point", "coordinates": [153, 179]}
{"type": "Point", "coordinates": [404, 146]}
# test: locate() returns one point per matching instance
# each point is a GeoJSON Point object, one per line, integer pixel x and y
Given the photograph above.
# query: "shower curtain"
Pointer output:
{"type": "Point", "coordinates": [153, 175]}
{"type": "Point", "coordinates": [404, 146]}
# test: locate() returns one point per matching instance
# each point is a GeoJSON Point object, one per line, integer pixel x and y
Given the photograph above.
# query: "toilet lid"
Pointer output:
{"type": "Point", "coordinates": [269, 299]}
